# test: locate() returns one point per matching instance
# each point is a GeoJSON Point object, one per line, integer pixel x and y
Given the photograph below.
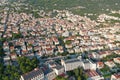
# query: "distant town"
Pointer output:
{"type": "Point", "coordinates": [61, 46]}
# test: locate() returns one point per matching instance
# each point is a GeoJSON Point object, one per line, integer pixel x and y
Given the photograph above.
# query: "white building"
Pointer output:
{"type": "Point", "coordinates": [71, 64]}
{"type": "Point", "coordinates": [88, 64]}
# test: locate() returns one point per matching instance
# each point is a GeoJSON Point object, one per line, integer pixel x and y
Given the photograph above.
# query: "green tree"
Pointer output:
{"type": "Point", "coordinates": [76, 71]}
{"type": "Point", "coordinates": [85, 76]}
{"type": "Point", "coordinates": [27, 64]}
{"type": "Point", "coordinates": [5, 78]}
{"type": "Point", "coordinates": [68, 42]}
{"type": "Point", "coordinates": [79, 78]}
{"type": "Point", "coordinates": [81, 71]}
{"type": "Point", "coordinates": [1, 68]}
{"type": "Point", "coordinates": [61, 78]}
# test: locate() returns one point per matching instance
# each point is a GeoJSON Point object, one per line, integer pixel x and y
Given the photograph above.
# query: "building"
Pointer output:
{"type": "Point", "coordinates": [88, 64]}
{"type": "Point", "coordinates": [71, 64]}
{"type": "Point", "coordinates": [36, 74]}
{"type": "Point", "coordinates": [110, 64]}
{"type": "Point", "coordinates": [50, 75]}
{"type": "Point", "coordinates": [93, 75]}
{"type": "Point", "coordinates": [48, 72]}
{"type": "Point", "coordinates": [115, 76]}
{"type": "Point", "coordinates": [100, 65]}
{"type": "Point", "coordinates": [117, 60]}
{"type": "Point", "coordinates": [59, 70]}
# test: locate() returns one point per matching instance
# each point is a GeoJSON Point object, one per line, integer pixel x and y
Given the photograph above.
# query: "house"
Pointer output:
{"type": "Point", "coordinates": [6, 58]}
{"type": "Point", "coordinates": [60, 49]}
{"type": "Point", "coordinates": [49, 51]}
{"type": "Point", "coordinates": [117, 52]}
{"type": "Point", "coordinates": [115, 76]}
{"type": "Point", "coordinates": [93, 55]}
{"type": "Point", "coordinates": [7, 53]}
{"type": "Point", "coordinates": [30, 55]}
{"type": "Point", "coordinates": [117, 60]}
{"type": "Point", "coordinates": [65, 34]}
{"type": "Point", "coordinates": [68, 45]}
{"type": "Point", "coordinates": [6, 48]}
{"type": "Point", "coordinates": [103, 54]}
{"type": "Point", "coordinates": [24, 51]}
{"type": "Point", "coordinates": [55, 40]}
{"type": "Point", "coordinates": [100, 65]}
{"type": "Point", "coordinates": [71, 64]}
{"type": "Point", "coordinates": [110, 64]}
{"type": "Point", "coordinates": [12, 48]}
{"type": "Point", "coordinates": [70, 50]}
{"type": "Point", "coordinates": [88, 64]}
{"type": "Point", "coordinates": [36, 74]}
{"type": "Point", "coordinates": [29, 48]}
{"type": "Point", "coordinates": [37, 48]}
{"type": "Point", "coordinates": [93, 75]}
{"type": "Point", "coordinates": [77, 49]}
{"type": "Point", "coordinates": [13, 56]}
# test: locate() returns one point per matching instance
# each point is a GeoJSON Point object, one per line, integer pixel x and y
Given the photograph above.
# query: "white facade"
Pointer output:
{"type": "Point", "coordinates": [71, 64]}
{"type": "Point", "coordinates": [87, 64]}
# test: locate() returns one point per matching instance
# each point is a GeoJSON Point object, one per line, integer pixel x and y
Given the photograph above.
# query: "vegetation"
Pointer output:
{"type": "Point", "coordinates": [79, 7]}
{"type": "Point", "coordinates": [79, 74]}
{"type": "Point", "coordinates": [1, 52]}
{"type": "Point", "coordinates": [117, 33]}
{"type": "Point", "coordinates": [105, 71]}
{"type": "Point", "coordinates": [92, 5]}
{"type": "Point", "coordinates": [16, 36]}
{"type": "Point", "coordinates": [61, 78]}
{"type": "Point", "coordinates": [115, 15]}
{"type": "Point", "coordinates": [11, 72]}
{"type": "Point", "coordinates": [110, 57]}
{"type": "Point", "coordinates": [68, 42]}
{"type": "Point", "coordinates": [112, 21]}
{"type": "Point", "coordinates": [27, 64]}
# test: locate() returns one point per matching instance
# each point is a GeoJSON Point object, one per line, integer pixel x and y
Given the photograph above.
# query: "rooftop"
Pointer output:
{"type": "Point", "coordinates": [72, 60]}
{"type": "Point", "coordinates": [117, 75]}
{"type": "Point", "coordinates": [32, 74]}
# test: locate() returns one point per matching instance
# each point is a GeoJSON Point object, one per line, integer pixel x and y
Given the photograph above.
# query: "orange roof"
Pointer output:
{"type": "Point", "coordinates": [100, 63]}
{"type": "Point", "coordinates": [48, 49]}
{"type": "Point", "coordinates": [92, 73]}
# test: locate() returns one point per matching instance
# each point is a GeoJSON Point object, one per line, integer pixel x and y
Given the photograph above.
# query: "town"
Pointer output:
{"type": "Point", "coordinates": [64, 47]}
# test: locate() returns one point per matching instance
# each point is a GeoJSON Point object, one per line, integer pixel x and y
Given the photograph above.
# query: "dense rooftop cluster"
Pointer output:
{"type": "Point", "coordinates": [77, 41]}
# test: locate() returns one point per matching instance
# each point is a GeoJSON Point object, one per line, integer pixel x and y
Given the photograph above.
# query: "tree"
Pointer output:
{"type": "Point", "coordinates": [14, 35]}
{"type": "Point", "coordinates": [76, 71]}
{"type": "Point", "coordinates": [79, 78]}
{"type": "Point", "coordinates": [11, 73]}
{"type": "Point", "coordinates": [85, 76]}
{"type": "Point", "coordinates": [1, 52]}
{"type": "Point", "coordinates": [68, 42]}
{"type": "Point", "coordinates": [27, 64]}
{"type": "Point", "coordinates": [1, 68]}
{"type": "Point", "coordinates": [61, 78]}
{"type": "Point", "coordinates": [81, 71]}
{"type": "Point", "coordinates": [5, 78]}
